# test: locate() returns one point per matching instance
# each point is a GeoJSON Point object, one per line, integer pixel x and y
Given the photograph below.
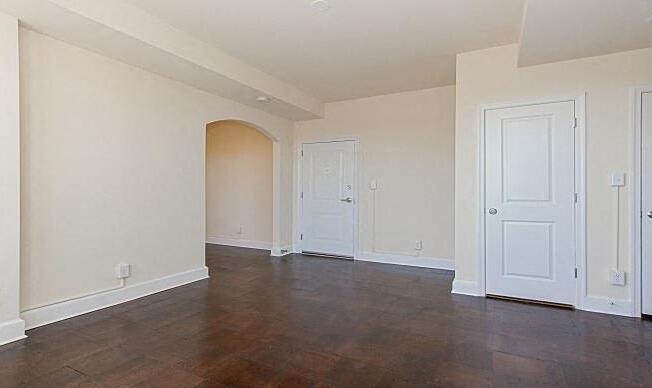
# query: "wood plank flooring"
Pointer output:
{"type": "Point", "coordinates": [302, 321]}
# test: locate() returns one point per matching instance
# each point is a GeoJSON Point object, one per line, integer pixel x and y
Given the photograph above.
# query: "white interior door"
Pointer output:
{"type": "Point", "coordinates": [530, 200]}
{"type": "Point", "coordinates": [328, 204]}
{"type": "Point", "coordinates": [646, 169]}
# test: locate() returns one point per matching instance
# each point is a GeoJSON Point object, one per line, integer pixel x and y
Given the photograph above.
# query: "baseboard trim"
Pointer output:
{"type": "Point", "coordinates": [282, 251]}
{"type": "Point", "coordinates": [595, 304]}
{"type": "Point", "coordinates": [412, 261]}
{"type": "Point", "coordinates": [466, 287]}
{"type": "Point", "coordinates": [53, 313]}
{"type": "Point", "coordinates": [11, 331]}
{"type": "Point", "coordinates": [232, 242]}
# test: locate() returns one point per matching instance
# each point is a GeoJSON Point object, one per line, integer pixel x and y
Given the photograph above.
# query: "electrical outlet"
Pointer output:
{"type": "Point", "coordinates": [122, 271]}
{"type": "Point", "coordinates": [617, 278]}
{"type": "Point", "coordinates": [418, 245]}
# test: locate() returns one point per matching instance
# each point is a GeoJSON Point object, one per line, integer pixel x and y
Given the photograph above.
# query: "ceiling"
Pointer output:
{"type": "Point", "coordinates": [557, 30]}
{"type": "Point", "coordinates": [355, 49]}
{"type": "Point", "coordinates": [300, 57]}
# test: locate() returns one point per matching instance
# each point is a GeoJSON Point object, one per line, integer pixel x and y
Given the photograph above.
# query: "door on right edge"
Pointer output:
{"type": "Point", "coordinates": [530, 202]}
{"type": "Point", "coordinates": [646, 206]}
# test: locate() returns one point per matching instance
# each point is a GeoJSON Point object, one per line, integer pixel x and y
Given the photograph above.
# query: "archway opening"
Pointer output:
{"type": "Point", "coordinates": [239, 185]}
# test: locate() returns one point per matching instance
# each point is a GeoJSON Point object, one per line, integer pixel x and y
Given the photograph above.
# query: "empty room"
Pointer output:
{"type": "Point", "coordinates": [325, 193]}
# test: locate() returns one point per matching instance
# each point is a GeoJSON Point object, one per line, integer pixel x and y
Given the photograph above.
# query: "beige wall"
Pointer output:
{"type": "Point", "coordinates": [491, 76]}
{"type": "Point", "coordinates": [239, 187]}
{"type": "Point", "coordinates": [406, 145]}
{"type": "Point", "coordinates": [113, 170]}
{"type": "Point", "coordinates": [10, 327]}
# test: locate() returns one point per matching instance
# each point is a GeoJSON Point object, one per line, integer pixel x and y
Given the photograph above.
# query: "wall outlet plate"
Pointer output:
{"type": "Point", "coordinates": [617, 278]}
{"type": "Point", "coordinates": [122, 271]}
{"type": "Point", "coordinates": [418, 245]}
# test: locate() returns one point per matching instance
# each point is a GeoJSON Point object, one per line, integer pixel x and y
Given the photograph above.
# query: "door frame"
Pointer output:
{"type": "Point", "coordinates": [356, 186]}
{"type": "Point", "coordinates": [580, 189]}
{"type": "Point", "coordinates": [636, 215]}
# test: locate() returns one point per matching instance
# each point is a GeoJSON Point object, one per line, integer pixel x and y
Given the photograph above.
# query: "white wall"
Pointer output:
{"type": "Point", "coordinates": [114, 169]}
{"type": "Point", "coordinates": [239, 187]}
{"type": "Point", "coordinates": [11, 328]}
{"type": "Point", "coordinates": [406, 145]}
{"type": "Point", "coordinates": [491, 76]}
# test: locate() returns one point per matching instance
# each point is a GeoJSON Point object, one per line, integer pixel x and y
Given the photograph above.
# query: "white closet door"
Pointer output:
{"type": "Point", "coordinates": [530, 200]}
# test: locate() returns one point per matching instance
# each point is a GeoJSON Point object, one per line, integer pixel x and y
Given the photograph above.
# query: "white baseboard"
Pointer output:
{"type": "Point", "coordinates": [11, 331]}
{"type": "Point", "coordinates": [590, 303]}
{"type": "Point", "coordinates": [607, 306]}
{"type": "Point", "coordinates": [412, 261]}
{"type": "Point", "coordinates": [466, 287]}
{"type": "Point", "coordinates": [49, 314]}
{"type": "Point", "coordinates": [233, 242]}
{"type": "Point", "coordinates": [282, 251]}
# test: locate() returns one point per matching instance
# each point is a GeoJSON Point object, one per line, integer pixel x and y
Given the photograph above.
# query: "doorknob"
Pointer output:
{"type": "Point", "coordinates": [493, 211]}
{"type": "Point", "coordinates": [649, 214]}
{"type": "Point", "coordinates": [349, 200]}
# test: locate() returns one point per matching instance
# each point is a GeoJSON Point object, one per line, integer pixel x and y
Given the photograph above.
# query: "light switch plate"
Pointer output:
{"type": "Point", "coordinates": [618, 179]}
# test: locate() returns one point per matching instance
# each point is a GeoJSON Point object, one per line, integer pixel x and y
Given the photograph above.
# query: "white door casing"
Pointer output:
{"type": "Point", "coordinates": [328, 198]}
{"type": "Point", "coordinates": [646, 202]}
{"type": "Point", "coordinates": [530, 202]}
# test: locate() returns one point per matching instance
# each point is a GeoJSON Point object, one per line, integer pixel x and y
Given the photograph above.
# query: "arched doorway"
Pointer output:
{"type": "Point", "coordinates": [241, 184]}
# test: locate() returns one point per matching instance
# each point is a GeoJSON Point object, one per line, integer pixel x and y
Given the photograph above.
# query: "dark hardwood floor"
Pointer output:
{"type": "Point", "coordinates": [303, 321]}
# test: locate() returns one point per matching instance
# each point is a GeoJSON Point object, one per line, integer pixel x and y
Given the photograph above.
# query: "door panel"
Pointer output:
{"type": "Point", "coordinates": [529, 197]}
{"type": "Point", "coordinates": [328, 193]}
{"type": "Point", "coordinates": [646, 170]}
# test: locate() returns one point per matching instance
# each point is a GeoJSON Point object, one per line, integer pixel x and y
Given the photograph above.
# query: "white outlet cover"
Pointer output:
{"type": "Point", "coordinates": [617, 278]}
{"type": "Point", "coordinates": [122, 271]}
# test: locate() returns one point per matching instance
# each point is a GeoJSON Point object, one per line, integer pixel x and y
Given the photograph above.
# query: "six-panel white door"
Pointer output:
{"type": "Point", "coordinates": [529, 202]}
{"type": "Point", "coordinates": [328, 208]}
{"type": "Point", "coordinates": [646, 206]}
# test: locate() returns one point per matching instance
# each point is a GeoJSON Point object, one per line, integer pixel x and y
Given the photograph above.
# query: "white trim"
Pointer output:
{"type": "Point", "coordinates": [608, 306]}
{"type": "Point", "coordinates": [11, 331]}
{"type": "Point", "coordinates": [53, 313]}
{"type": "Point", "coordinates": [234, 242]}
{"type": "Point", "coordinates": [281, 251]}
{"type": "Point", "coordinates": [466, 287]}
{"type": "Point", "coordinates": [580, 188]}
{"type": "Point", "coordinates": [580, 207]}
{"type": "Point", "coordinates": [296, 247]}
{"type": "Point", "coordinates": [412, 261]}
{"type": "Point", "coordinates": [636, 241]}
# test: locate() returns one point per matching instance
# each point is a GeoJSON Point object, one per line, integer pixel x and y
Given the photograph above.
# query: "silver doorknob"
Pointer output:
{"type": "Point", "coordinates": [493, 211]}
{"type": "Point", "coordinates": [649, 214]}
{"type": "Point", "coordinates": [349, 200]}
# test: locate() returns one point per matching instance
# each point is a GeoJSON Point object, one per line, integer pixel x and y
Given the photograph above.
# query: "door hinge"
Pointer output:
{"type": "Point", "coordinates": [575, 123]}
{"type": "Point", "coordinates": [576, 197]}
{"type": "Point", "coordinates": [302, 153]}
{"type": "Point", "coordinates": [302, 195]}
{"type": "Point", "coordinates": [575, 273]}
{"type": "Point", "coordinates": [301, 237]}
